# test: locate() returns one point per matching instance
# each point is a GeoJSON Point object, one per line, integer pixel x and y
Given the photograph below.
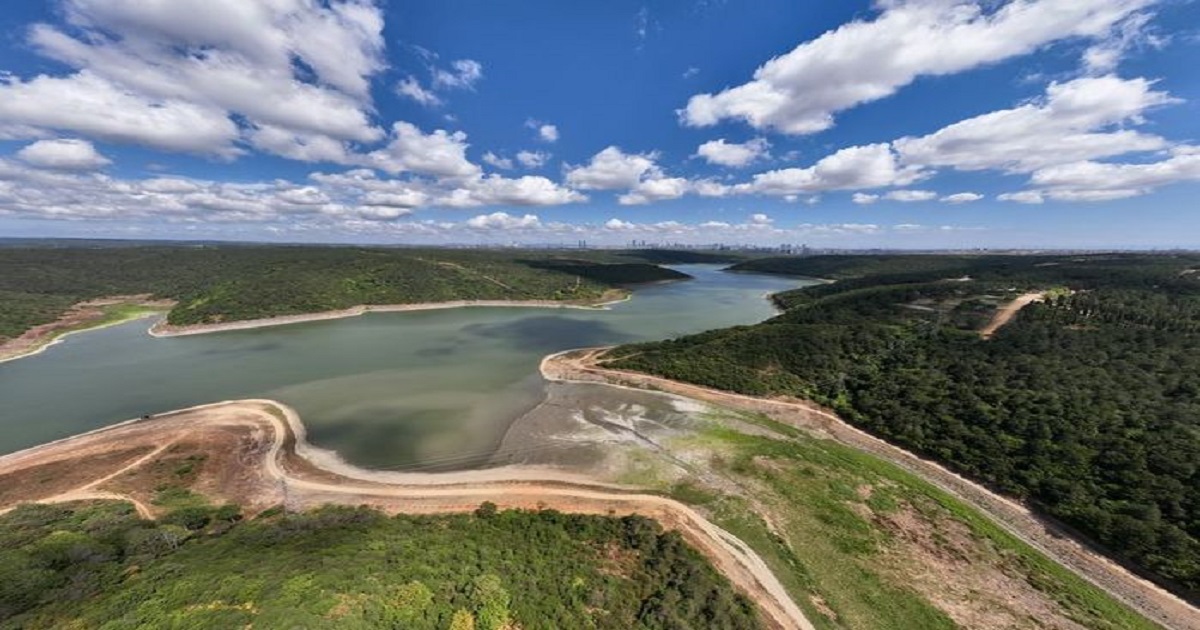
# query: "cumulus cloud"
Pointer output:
{"type": "Point", "coordinates": [613, 169]}
{"type": "Point", "coordinates": [655, 189]}
{"type": "Point", "coordinates": [503, 221]}
{"type": "Point", "coordinates": [733, 154]}
{"type": "Point", "coordinates": [1072, 122]}
{"type": "Point", "coordinates": [497, 161]}
{"type": "Point", "coordinates": [462, 75]}
{"type": "Point", "coordinates": [533, 159]}
{"type": "Point", "coordinates": [522, 191]}
{"type": "Point", "coordinates": [63, 154]}
{"type": "Point", "coordinates": [864, 199]}
{"type": "Point", "coordinates": [910, 196]}
{"type": "Point", "coordinates": [177, 75]}
{"type": "Point", "coordinates": [546, 132]}
{"type": "Point", "coordinates": [1027, 197]}
{"type": "Point", "coordinates": [863, 61]}
{"type": "Point", "coordinates": [1100, 181]}
{"type": "Point", "coordinates": [96, 107]}
{"type": "Point", "coordinates": [411, 88]}
{"type": "Point", "coordinates": [962, 197]}
{"type": "Point", "coordinates": [868, 166]}
{"type": "Point", "coordinates": [440, 154]}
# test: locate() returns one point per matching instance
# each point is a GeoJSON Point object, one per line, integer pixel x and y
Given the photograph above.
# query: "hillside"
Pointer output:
{"type": "Point", "coordinates": [99, 565]}
{"type": "Point", "coordinates": [1086, 404]}
{"type": "Point", "coordinates": [237, 282]}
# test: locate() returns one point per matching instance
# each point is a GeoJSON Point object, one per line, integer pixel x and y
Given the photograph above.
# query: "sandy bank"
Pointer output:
{"type": "Point", "coordinates": [81, 317]}
{"type": "Point", "coordinates": [261, 458]}
{"type": "Point", "coordinates": [1145, 597]}
{"type": "Point", "coordinates": [163, 329]}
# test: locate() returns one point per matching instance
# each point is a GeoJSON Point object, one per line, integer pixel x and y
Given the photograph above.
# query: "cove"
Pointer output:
{"type": "Point", "coordinates": [424, 390]}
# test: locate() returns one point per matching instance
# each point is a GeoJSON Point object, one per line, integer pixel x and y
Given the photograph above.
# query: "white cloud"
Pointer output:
{"type": "Point", "coordinates": [962, 197]}
{"type": "Point", "coordinates": [503, 221]}
{"type": "Point", "coordinates": [761, 219]}
{"type": "Point", "coordinates": [710, 188]}
{"type": "Point", "coordinates": [910, 196]}
{"type": "Point", "coordinates": [546, 132]}
{"type": "Point", "coordinates": [296, 145]}
{"type": "Point", "coordinates": [462, 75]}
{"type": "Point", "coordinates": [869, 166]}
{"type": "Point", "coordinates": [1027, 197]}
{"type": "Point", "coordinates": [733, 154]}
{"type": "Point", "coordinates": [1073, 122]}
{"type": "Point", "coordinates": [863, 61]}
{"type": "Point", "coordinates": [533, 159]}
{"type": "Point", "coordinates": [176, 75]}
{"type": "Point", "coordinates": [1097, 181]}
{"type": "Point", "coordinates": [864, 199]}
{"type": "Point", "coordinates": [90, 105]}
{"type": "Point", "coordinates": [64, 154]}
{"type": "Point", "coordinates": [1132, 32]}
{"type": "Point", "coordinates": [410, 87]}
{"type": "Point", "coordinates": [612, 169]}
{"type": "Point", "coordinates": [497, 161]}
{"type": "Point", "coordinates": [522, 191]}
{"type": "Point", "coordinates": [440, 154]}
{"type": "Point", "coordinates": [655, 189]}
{"type": "Point", "coordinates": [405, 198]}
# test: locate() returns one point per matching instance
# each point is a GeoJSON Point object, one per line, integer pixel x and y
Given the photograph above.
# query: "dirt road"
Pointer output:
{"type": "Point", "coordinates": [279, 471]}
{"type": "Point", "coordinates": [1005, 313]}
{"type": "Point", "coordinates": [1142, 595]}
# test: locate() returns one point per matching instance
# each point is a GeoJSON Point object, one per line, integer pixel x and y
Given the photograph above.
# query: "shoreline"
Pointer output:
{"type": "Point", "coordinates": [283, 480]}
{"type": "Point", "coordinates": [38, 341]}
{"type": "Point", "coordinates": [1138, 593]}
{"type": "Point", "coordinates": [162, 330]}
{"type": "Point", "coordinates": [41, 344]}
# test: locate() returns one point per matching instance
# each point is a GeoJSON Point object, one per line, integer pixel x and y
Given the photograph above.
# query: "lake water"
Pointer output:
{"type": "Point", "coordinates": [418, 390]}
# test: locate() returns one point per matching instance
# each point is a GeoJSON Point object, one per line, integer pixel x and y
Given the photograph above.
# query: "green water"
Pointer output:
{"type": "Point", "coordinates": [385, 390]}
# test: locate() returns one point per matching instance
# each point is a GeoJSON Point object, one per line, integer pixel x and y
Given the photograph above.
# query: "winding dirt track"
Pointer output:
{"type": "Point", "coordinates": [1005, 314]}
{"type": "Point", "coordinates": [287, 469]}
{"type": "Point", "coordinates": [1147, 598]}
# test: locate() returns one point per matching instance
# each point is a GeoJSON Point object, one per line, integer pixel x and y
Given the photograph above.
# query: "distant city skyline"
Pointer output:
{"type": "Point", "coordinates": [900, 124]}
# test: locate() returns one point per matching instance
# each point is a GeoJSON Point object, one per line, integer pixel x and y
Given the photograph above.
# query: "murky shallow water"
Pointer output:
{"type": "Point", "coordinates": [427, 389]}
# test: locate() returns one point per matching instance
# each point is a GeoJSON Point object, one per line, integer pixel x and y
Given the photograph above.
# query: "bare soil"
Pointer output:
{"type": "Point", "coordinates": [253, 453]}
{"type": "Point", "coordinates": [1147, 598]}
{"type": "Point", "coordinates": [78, 317]}
{"type": "Point", "coordinates": [1006, 313]}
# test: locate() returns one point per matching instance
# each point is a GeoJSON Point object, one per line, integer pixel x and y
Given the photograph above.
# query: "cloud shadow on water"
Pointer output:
{"type": "Point", "coordinates": [548, 334]}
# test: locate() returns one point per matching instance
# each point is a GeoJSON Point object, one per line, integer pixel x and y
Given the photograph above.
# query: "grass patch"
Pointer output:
{"type": "Point", "coordinates": [829, 553]}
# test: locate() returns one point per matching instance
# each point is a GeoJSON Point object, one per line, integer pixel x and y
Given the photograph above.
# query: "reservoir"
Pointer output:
{"type": "Point", "coordinates": [423, 390]}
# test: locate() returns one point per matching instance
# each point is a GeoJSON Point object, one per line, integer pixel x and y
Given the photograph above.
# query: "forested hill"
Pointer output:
{"type": "Point", "coordinates": [1086, 404]}
{"type": "Point", "coordinates": [215, 283]}
{"type": "Point", "coordinates": [101, 566]}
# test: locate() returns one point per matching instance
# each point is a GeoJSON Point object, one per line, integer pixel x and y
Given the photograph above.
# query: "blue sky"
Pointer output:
{"type": "Point", "coordinates": [898, 123]}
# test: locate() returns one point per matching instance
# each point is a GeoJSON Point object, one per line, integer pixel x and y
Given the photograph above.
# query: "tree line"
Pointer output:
{"type": "Point", "coordinates": [1086, 405]}
{"type": "Point", "coordinates": [100, 566]}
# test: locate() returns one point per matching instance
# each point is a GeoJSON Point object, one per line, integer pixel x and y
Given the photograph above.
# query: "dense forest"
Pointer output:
{"type": "Point", "coordinates": [100, 566]}
{"type": "Point", "coordinates": [1086, 405]}
{"type": "Point", "coordinates": [214, 283]}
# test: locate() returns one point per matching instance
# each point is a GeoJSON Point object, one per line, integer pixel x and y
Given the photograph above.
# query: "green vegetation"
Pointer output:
{"type": "Point", "coordinates": [1087, 405]}
{"type": "Point", "coordinates": [847, 530]}
{"type": "Point", "coordinates": [99, 566]}
{"type": "Point", "coordinates": [237, 282]}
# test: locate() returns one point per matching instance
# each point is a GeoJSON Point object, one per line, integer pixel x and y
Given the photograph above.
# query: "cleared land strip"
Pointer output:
{"type": "Point", "coordinates": [1005, 313]}
{"type": "Point", "coordinates": [265, 442]}
{"type": "Point", "coordinates": [1145, 597]}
